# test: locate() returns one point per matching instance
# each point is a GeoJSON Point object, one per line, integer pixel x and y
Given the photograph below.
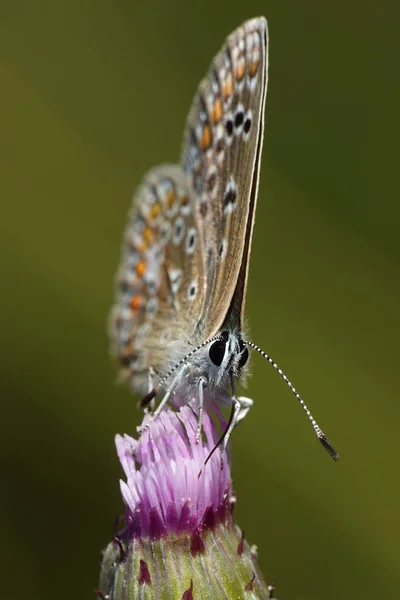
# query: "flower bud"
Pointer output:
{"type": "Point", "coordinates": [179, 539]}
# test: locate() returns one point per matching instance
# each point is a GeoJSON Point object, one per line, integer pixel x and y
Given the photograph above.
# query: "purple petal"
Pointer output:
{"type": "Point", "coordinates": [163, 492]}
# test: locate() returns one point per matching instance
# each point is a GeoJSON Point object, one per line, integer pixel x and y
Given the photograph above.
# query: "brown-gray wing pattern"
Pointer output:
{"type": "Point", "coordinates": [221, 154]}
{"type": "Point", "coordinates": [160, 289]}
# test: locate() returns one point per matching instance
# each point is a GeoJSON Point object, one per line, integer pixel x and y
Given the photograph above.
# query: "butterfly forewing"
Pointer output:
{"type": "Point", "coordinates": [160, 289]}
{"type": "Point", "coordinates": [221, 154]}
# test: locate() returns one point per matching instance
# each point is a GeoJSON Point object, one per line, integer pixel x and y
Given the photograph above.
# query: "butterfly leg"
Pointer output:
{"type": "Point", "coordinates": [150, 384]}
{"type": "Point", "coordinates": [150, 387]}
{"type": "Point", "coordinates": [245, 405]}
{"type": "Point", "coordinates": [235, 409]}
{"type": "Point", "coordinates": [167, 394]}
{"type": "Point", "coordinates": [239, 409]}
{"type": "Point", "coordinates": [234, 419]}
{"type": "Point", "coordinates": [202, 381]}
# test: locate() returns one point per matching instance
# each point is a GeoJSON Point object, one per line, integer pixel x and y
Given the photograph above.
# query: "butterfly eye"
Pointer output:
{"type": "Point", "coordinates": [244, 355]}
{"type": "Point", "coordinates": [217, 352]}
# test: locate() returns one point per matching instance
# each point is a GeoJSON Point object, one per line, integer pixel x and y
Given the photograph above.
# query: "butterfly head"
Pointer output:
{"type": "Point", "coordinates": [227, 357]}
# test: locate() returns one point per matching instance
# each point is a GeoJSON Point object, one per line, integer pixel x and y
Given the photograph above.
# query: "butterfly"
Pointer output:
{"type": "Point", "coordinates": [178, 320]}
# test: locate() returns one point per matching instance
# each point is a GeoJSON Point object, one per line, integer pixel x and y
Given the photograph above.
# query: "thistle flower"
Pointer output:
{"type": "Point", "coordinates": [179, 539]}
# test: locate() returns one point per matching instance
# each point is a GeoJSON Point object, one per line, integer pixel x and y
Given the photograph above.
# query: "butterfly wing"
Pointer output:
{"type": "Point", "coordinates": [221, 157]}
{"type": "Point", "coordinates": [186, 247]}
{"type": "Point", "coordinates": [160, 291]}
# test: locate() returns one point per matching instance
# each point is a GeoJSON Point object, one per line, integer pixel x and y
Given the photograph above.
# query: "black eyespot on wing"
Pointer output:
{"type": "Point", "coordinates": [239, 118]}
{"type": "Point", "coordinates": [229, 127]}
{"type": "Point", "coordinates": [230, 195]}
{"type": "Point", "coordinates": [247, 125]}
{"type": "Point", "coordinates": [191, 240]}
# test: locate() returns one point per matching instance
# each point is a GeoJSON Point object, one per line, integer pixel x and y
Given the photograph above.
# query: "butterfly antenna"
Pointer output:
{"type": "Point", "coordinates": [318, 431]}
{"type": "Point", "coordinates": [152, 394]}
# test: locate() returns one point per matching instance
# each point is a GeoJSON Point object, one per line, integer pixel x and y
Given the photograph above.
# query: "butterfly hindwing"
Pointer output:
{"type": "Point", "coordinates": [160, 279]}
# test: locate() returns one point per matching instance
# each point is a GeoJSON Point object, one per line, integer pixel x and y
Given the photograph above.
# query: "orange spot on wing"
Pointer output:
{"type": "Point", "coordinates": [147, 239]}
{"type": "Point", "coordinates": [170, 198]}
{"type": "Point", "coordinates": [140, 268]}
{"type": "Point", "coordinates": [136, 302]}
{"type": "Point", "coordinates": [227, 86]}
{"type": "Point", "coordinates": [205, 141]}
{"type": "Point", "coordinates": [155, 210]}
{"type": "Point", "coordinates": [184, 200]}
{"type": "Point", "coordinates": [216, 115]}
{"type": "Point", "coordinates": [240, 70]}
{"type": "Point", "coordinates": [253, 66]}
{"type": "Point", "coordinates": [147, 235]}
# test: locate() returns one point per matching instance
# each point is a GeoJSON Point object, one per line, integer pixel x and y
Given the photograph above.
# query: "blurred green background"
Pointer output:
{"type": "Point", "coordinates": [93, 94]}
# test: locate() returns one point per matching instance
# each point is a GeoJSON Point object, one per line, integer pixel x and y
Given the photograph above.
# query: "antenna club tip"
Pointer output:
{"type": "Point", "coordinates": [328, 447]}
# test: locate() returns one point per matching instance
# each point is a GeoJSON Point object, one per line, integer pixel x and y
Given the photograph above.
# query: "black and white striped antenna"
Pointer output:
{"type": "Point", "coordinates": [318, 431]}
